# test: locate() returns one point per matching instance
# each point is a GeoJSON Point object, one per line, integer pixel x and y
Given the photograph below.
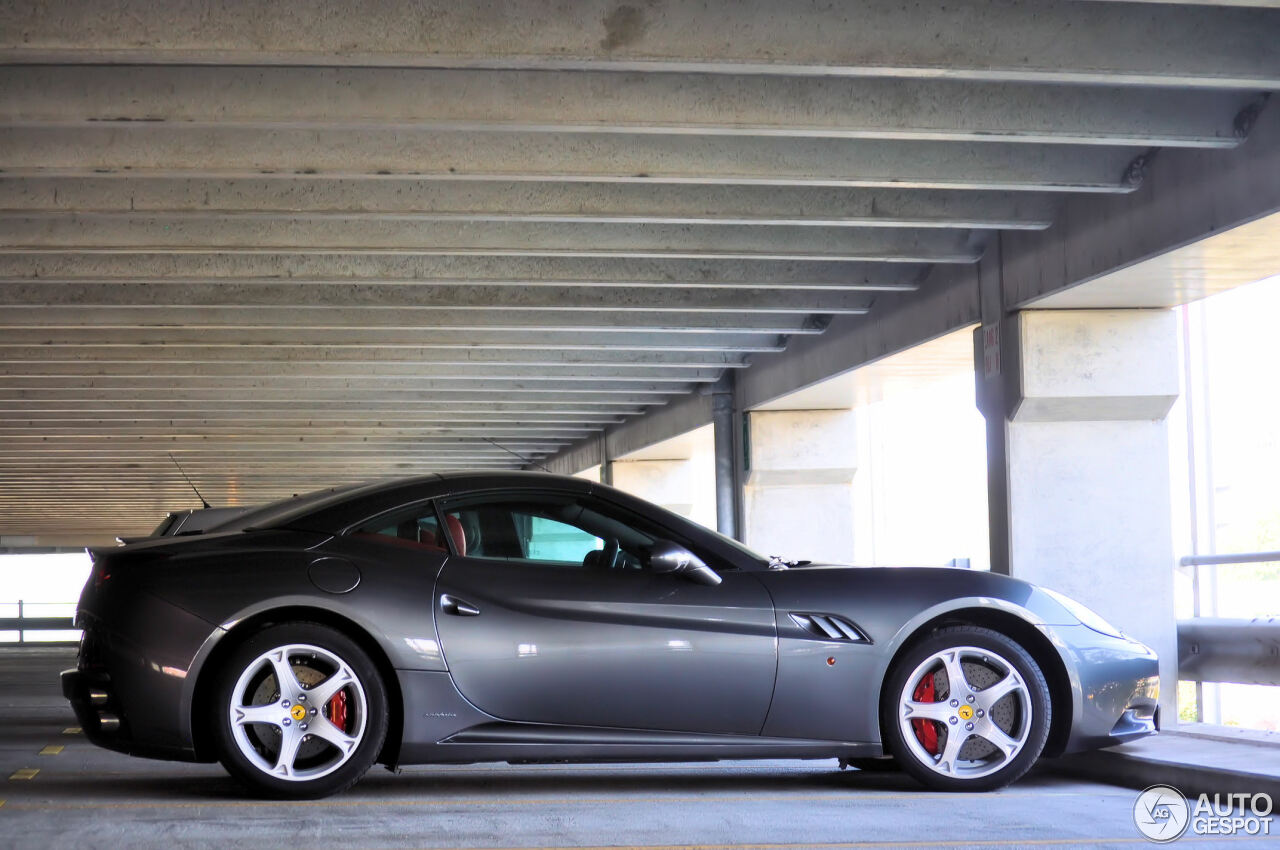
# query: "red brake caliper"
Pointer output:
{"type": "Point", "coordinates": [925, 731]}
{"type": "Point", "coordinates": [338, 710]}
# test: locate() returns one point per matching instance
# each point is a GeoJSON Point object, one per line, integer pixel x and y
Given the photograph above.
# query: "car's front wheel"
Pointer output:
{"type": "Point", "coordinates": [966, 709]}
{"type": "Point", "coordinates": [300, 711]}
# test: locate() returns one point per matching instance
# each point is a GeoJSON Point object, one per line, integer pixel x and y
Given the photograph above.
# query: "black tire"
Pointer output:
{"type": "Point", "coordinates": [1026, 708]}
{"type": "Point", "coordinates": [317, 767]}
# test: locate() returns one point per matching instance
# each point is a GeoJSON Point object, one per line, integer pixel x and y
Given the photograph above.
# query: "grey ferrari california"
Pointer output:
{"type": "Point", "coordinates": [524, 617]}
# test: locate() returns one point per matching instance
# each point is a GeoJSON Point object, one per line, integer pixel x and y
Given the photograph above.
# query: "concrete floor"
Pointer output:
{"type": "Point", "coordinates": [83, 796]}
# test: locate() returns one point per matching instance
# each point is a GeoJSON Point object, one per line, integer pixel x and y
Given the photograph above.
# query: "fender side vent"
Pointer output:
{"type": "Point", "coordinates": [830, 627]}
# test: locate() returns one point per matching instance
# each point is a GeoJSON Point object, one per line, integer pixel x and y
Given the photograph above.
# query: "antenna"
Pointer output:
{"type": "Point", "coordinates": [193, 486]}
{"type": "Point", "coordinates": [508, 451]}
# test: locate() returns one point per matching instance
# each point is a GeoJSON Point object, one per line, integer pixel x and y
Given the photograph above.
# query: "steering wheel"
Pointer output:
{"type": "Point", "coordinates": [609, 554]}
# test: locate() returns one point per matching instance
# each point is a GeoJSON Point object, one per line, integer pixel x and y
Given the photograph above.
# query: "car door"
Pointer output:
{"type": "Point", "coordinates": [536, 627]}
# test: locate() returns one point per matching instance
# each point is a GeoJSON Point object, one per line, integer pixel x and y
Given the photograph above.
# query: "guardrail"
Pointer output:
{"type": "Point", "coordinates": [1227, 650]}
{"type": "Point", "coordinates": [24, 623]}
{"type": "Point", "coordinates": [1241, 652]}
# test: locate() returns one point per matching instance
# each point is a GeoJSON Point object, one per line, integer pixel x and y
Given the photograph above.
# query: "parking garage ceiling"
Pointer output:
{"type": "Point", "coordinates": [298, 245]}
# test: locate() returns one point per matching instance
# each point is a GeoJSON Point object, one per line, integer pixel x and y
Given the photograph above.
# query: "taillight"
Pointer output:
{"type": "Point", "coordinates": [101, 570]}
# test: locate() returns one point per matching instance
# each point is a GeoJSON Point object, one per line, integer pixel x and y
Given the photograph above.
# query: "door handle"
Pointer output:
{"type": "Point", "coordinates": [457, 607]}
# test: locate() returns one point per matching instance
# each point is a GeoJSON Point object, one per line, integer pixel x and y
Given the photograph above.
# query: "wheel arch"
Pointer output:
{"type": "Point", "coordinates": [1030, 637]}
{"type": "Point", "coordinates": [201, 732]}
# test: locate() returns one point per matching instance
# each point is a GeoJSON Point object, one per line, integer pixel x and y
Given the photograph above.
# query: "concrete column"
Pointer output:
{"type": "Point", "coordinates": [606, 462]}
{"type": "Point", "coordinates": [722, 420]}
{"type": "Point", "coordinates": [676, 474]}
{"type": "Point", "coordinates": [1081, 402]}
{"type": "Point", "coordinates": [664, 482]}
{"type": "Point", "coordinates": [799, 493]}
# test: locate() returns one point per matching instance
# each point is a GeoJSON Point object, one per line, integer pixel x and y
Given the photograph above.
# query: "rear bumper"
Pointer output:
{"type": "Point", "coordinates": [128, 683]}
{"type": "Point", "coordinates": [97, 706]}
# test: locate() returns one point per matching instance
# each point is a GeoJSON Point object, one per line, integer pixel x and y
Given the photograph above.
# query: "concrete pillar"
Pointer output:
{"type": "Point", "coordinates": [799, 493]}
{"type": "Point", "coordinates": [726, 472]}
{"type": "Point", "coordinates": [663, 482]}
{"type": "Point", "coordinates": [1078, 399]}
{"type": "Point", "coordinates": [676, 474]}
{"type": "Point", "coordinates": [606, 462]}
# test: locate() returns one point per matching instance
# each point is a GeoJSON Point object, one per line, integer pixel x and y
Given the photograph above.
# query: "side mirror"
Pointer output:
{"type": "Point", "coordinates": [667, 557]}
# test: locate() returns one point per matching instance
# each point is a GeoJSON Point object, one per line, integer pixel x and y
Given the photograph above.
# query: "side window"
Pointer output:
{"type": "Point", "coordinates": [547, 529]}
{"type": "Point", "coordinates": [549, 540]}
{"type": "Point", "coordinates": [416, 529]}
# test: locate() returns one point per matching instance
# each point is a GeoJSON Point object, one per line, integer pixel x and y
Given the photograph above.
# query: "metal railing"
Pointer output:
{"type": "Point", "coordinates": [1227, 650]}
{"type": "Point", "coordinates": [24, 622]}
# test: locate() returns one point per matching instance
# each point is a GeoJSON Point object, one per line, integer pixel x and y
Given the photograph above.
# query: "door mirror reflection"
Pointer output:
{"type": "Point", "coordinates": [668, 557]}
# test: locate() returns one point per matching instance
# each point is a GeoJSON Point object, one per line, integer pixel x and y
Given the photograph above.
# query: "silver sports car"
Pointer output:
{"type": "Point", "coordinates": [524, 617]}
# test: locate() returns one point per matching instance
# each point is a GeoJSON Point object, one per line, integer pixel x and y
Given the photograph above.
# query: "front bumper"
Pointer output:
{"type": "Point", "coordinates": [1119, 689]}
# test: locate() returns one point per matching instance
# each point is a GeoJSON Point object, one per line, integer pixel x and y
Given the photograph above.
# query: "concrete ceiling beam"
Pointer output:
{"type": "Point", "coordinates": [195, 266]}
{"type": "Point", "coordinates": [260, 447]}
{"type": "Point", "coordinates": [90, 232]}
{"type": "Point", "coordinates": [259, 340]}
{"type": "Point", "coordinates": [405, 318]}
{"type": "Point", "coordinates": [613, 102]}
{"type": "Point", "coordinates": [290, 453]}
{"type": "Point", "coordinates": [337, 427]}
{"type": "Point", "coordinates": [16, 428]}
{"type": "Point", "coordinates": [319, 354]}
{"type": "Point", "coordinates": [463, 299]}
{"type": "Point", "coordinates": [233, 152]}
{"type": "Point", "coordinates": [1001, 40]}
{"type": "Point", "coordinates": [507, 201]}
{"type": "Point", "coordinates": [360, 397]}
{"type": "Point", "coordinates": [373, 372]}
{"type": "Point", "coordinates": [312, 415]}
{"type": "Point", "coordinates": [292, 385]}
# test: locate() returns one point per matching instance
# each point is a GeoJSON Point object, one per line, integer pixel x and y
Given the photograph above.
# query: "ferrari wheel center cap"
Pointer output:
{"type": "Point", "coordinates": [966, 712]}
{"type": "Point", "coordinates": [297, 712]}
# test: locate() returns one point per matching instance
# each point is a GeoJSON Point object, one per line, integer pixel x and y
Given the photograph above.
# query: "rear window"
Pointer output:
{"type": "Point", "coordinates": [278, 513]}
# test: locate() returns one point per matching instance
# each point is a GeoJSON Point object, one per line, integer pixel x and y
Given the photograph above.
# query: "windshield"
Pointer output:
{"type": "Point", "coordinates": [740, 547]}
{"type": "Point", "coordinates": [675, 521]}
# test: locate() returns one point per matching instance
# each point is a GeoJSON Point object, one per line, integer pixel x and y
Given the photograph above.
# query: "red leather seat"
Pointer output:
{"type": "Point", "coordinates": [456, 534]}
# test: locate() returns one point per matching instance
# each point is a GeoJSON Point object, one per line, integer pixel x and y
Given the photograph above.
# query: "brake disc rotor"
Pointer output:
{"type": "Point", "coordinates": [268, 692]}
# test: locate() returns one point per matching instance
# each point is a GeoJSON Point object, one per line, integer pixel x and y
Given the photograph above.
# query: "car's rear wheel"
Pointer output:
{"type": "Point", "coordinates": [300, 711]}
{"type": "Point", "coordinates": [966, 709]}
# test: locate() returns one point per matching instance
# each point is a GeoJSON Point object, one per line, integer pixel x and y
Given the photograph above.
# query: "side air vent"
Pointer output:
{"type": "Point", "coordinates": [830, 627]}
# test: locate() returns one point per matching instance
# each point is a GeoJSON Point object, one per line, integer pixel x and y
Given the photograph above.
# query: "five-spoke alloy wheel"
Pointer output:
{"type": "Point", "coordinates": [966, 709]}
{"type": "Point", "coordinates": [300, 711]}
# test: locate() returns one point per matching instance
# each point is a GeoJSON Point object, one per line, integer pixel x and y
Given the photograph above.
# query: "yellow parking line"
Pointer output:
{"type": "Point", "coordinates": [25, 773]}
{"type": "Point", "coordinates": [51, 750]}
{"type": "Point", "coordinates": [72, 730]}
